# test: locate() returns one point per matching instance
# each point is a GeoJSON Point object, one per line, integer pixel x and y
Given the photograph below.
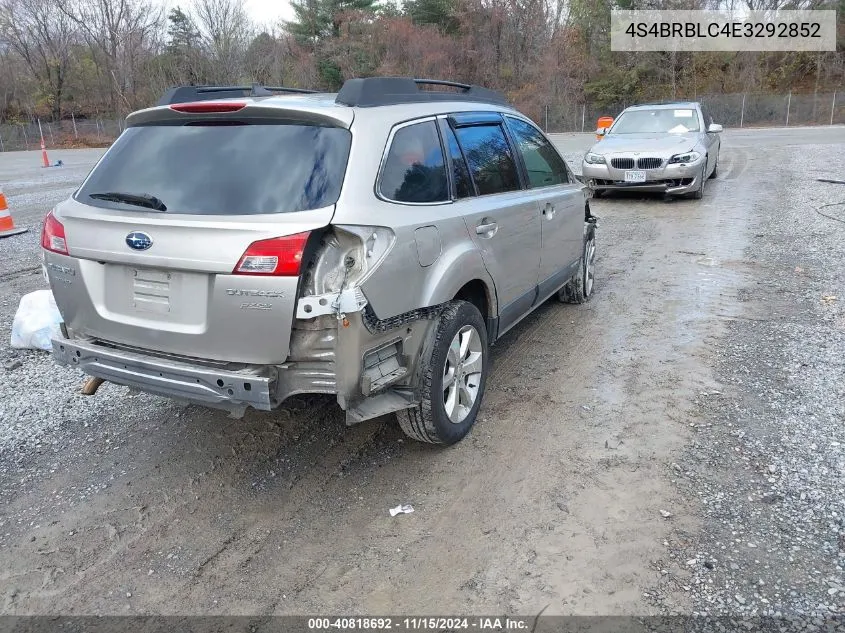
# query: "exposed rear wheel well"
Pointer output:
{"type": "Point", "coordinates": [475, 292]}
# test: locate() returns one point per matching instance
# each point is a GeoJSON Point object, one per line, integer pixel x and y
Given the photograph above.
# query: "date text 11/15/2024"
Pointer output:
{"type": "Point", "coordinates": [418, 624]}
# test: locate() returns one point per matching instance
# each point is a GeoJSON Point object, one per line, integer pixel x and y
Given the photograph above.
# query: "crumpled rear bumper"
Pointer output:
{"type": "Point", "coordinates": [221, 386]}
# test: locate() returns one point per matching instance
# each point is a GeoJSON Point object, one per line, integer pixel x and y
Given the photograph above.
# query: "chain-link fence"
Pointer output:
{"type": "Point", "coordinates": [71, 133]}
{"type": "Point", "coordinates": [730, 110]}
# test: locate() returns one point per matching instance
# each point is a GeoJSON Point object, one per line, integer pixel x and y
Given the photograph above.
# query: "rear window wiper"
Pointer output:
{"type": "Point", "coordinates": [136, 199]}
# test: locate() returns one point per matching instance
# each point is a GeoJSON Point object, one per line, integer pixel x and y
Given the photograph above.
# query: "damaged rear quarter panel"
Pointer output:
{"type": "Point", "coordinates": [401, 284]}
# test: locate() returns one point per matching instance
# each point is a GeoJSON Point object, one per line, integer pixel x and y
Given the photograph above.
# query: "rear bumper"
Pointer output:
{"type": "Point", "coordinates": [361, 364]}
{"type": "Point", "coordinates": [219, 387]}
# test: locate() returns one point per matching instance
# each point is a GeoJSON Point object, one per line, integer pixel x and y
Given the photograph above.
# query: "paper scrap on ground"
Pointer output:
{"type": "Point", "coordinates": [406, 508]}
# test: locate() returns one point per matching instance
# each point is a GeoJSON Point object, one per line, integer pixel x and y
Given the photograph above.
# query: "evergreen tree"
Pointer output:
{"type": "Point", "coordinates": [318, 20]}
{"type": "Point", "coordinates": [183, 39]}
{"type": "Point", "coordinates": [317, 23]}
{"type": "Point", "coordinates": [439, 13]}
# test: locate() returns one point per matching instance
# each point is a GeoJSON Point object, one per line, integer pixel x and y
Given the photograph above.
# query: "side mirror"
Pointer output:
{"type": "Point", "coordinates": [714, 128]}
{"type": "Point", "coordinates": [601, 131]}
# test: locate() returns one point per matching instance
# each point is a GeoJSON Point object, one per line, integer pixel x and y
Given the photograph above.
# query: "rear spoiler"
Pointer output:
{"type": "Point", "coordinates": [185, 94]}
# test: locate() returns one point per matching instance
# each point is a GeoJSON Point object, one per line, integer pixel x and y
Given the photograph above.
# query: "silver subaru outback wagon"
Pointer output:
{"type": "Point", "coordinates": [236, 246]}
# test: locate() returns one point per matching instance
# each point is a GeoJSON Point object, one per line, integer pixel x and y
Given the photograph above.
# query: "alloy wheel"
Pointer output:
{"type": "Point", "coordinates": [462, 374]}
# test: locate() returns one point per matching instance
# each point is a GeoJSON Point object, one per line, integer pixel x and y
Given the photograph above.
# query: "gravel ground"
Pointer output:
{"type": "Point", "coordinates": [686, 453]}
{"type": "Point", "coordinates": [767, 462]}
{"type": "Point", "coordinates": [31, 192]}
{"type": "Point", "coordinates": [30, 417]}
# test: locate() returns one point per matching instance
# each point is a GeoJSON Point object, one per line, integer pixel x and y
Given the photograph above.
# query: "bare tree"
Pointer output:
{"type": "Point", "coordinates": [43, 36]}
{"type": "Point", "coordinates": [117, 32]}
{"type": "Point", "coordinates": [226, 32]}
{"type": "Point", "coordinates": [112, 56]}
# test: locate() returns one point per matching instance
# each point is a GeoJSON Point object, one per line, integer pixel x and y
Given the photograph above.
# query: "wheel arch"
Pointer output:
{"type": "Point", "coordinates": [453, 273]}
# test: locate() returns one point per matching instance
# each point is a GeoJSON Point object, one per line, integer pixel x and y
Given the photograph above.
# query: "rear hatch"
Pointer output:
{"type": "Point", "coordinates": [187, 237]}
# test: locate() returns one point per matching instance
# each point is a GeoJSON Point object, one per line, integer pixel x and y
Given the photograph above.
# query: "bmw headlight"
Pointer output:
{"type": "Point", "coordinates": [594, 159]}
{"type": "Point", "coordinates": [689, 157]}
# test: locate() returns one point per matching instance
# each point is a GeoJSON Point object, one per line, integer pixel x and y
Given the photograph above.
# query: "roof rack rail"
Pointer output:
{"type": "Point", "coordinates": [186, 94]}
{"type": "Point", "coordinates": [379, 91]}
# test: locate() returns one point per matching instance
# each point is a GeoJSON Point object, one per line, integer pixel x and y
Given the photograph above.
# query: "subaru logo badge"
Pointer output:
{"type": "Point", "coordinates": [139, 241]}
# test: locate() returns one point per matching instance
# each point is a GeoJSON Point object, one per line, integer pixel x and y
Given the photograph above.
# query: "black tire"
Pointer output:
{"type": "Point", "coordinates": [579, 289]}
{"type": "Point", "coordinates": [429, 421]}
{"type": "Point", "coordinates": [698, 194]}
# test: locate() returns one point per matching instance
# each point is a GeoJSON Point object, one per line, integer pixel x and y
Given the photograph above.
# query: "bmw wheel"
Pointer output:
{"type": "Point", "coordinates": [715, 171]}
{"type": "Point", "coordinates": [698, 194]}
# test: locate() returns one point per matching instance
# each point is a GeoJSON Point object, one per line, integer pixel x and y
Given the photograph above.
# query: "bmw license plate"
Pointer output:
{"type": "Point", "coordinates": [634, 176]}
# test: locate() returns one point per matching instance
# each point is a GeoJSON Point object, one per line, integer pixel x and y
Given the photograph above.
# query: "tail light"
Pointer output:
{"type": "Point", "coordinates": [279, 256]}
{"type": "Point", "coordinates": [207, 107]}
{"type": "Point", "coordinates": [53, 235]}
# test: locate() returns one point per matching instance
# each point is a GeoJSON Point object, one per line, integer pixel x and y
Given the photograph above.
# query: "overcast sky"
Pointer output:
{"type": "Point", "coordinates": [269, 11]}
{"type": "Point", "coordinates": [262, 12]}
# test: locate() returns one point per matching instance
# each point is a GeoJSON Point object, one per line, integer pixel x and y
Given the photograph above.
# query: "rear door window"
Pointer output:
{"type": "Point", "coordinates": [544, 165]}
{"type": "Point", "coordinates": [490, 159]}
{"type": "Point", "coordinates": [415, 168]}
{"type": "Point", "coordinates": [221, 168]}
{"type": "Point", "coordinates": [460, 171]}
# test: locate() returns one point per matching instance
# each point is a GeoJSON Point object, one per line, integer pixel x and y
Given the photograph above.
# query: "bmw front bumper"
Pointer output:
{"type": "Point", "coordinates": [677, 178]}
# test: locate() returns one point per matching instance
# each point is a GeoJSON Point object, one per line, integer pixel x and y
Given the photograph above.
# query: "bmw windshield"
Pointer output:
{"type": "Point", "coordinates": [657, 121]}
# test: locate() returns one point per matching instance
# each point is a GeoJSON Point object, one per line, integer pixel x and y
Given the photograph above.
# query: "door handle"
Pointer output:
{"type": "Point", "coordinates": [487, 230]}
{"type": "Point", "coordinates": [549, 211]}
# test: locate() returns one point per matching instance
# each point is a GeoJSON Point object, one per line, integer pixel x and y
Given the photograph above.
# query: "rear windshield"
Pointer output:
{"type": "Point", "coordinates": [222, 169]}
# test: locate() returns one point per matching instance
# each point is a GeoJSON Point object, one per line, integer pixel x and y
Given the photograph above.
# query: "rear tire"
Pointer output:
{"type": "Point", "coordinates": [580, 288]}
{"type": "Point", "coordinates": [452, 376]}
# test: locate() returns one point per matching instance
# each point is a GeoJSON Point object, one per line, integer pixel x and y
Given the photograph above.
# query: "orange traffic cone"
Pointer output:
{"type": "Point", "coordinates": [7, 224]}
{"type": "Point", "coordinates": [603, 123]}
{"type": "Point", "coordinates": [45, 162]}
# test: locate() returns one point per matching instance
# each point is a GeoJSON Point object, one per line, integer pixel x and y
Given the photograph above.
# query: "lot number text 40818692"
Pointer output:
{"type": "Point", "coordinates": [418, 624]}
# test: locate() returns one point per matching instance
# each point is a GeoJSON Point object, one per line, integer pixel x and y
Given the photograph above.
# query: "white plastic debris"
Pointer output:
{"type": "Point", "coordinates": [405, 508]}
{"type": "Point", "coordinates": [36, 321]}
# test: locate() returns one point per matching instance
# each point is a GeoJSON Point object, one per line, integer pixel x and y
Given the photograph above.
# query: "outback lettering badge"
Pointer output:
{"type": "Point", "coordinates": [240, 292]}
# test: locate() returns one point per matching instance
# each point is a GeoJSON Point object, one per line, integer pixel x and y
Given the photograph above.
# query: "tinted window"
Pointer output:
{"type": "Point", "coordinates": [415, 170]}
{"type": "Point", "coordinates": [489, 157]}
{"type": "Point", "coordinates": [231, 169]}
{"type": "Point", "coordinates": [460, 173]}
{"type": "Point", "coordinates": [542, 162]}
